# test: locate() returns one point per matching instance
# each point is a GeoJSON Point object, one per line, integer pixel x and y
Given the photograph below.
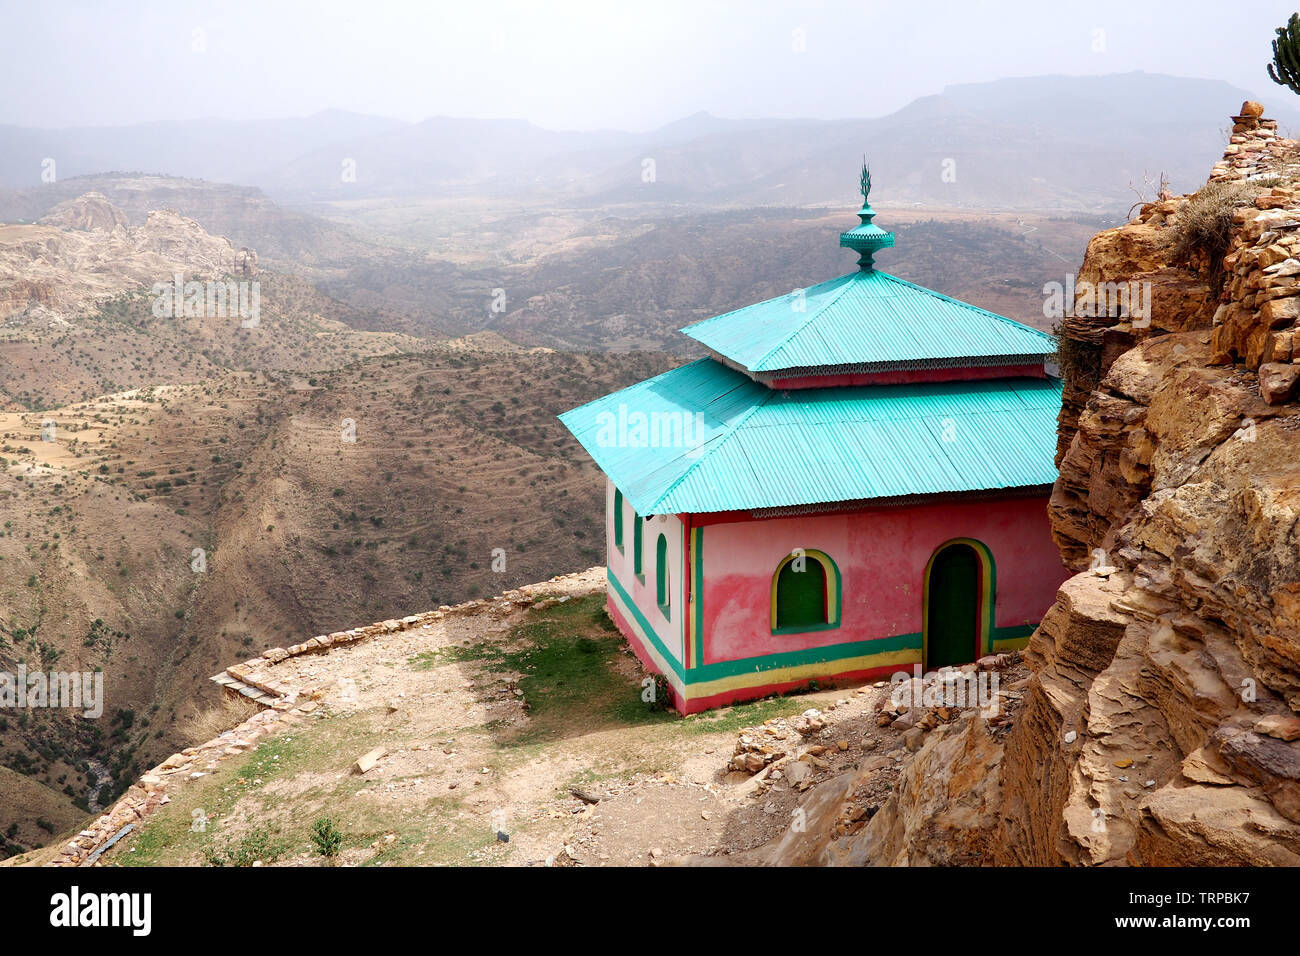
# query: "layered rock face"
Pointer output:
{"type": "Point", "coordinates": [1159, 725]}
{"type": "Point", "coordinates": [1174, 664]}
{"type": "Point", "coordinates": [85, 250]}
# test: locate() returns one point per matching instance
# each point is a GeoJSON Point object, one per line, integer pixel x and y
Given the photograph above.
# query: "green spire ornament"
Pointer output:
{"type": "Point", "coordinates": [866, 238]}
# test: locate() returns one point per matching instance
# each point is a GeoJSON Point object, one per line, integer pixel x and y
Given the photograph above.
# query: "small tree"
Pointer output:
{"type": "Point", "coordinates": [1285, 68]}
{"type": "Point", "coordinates": [327, 837]}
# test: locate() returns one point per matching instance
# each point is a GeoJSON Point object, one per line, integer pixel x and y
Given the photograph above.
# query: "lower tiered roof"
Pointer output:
{"type": "Point", "coordinates": [706, 438]}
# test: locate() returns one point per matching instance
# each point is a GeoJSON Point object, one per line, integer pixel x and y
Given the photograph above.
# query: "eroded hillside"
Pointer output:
{"type": "Point", "coordinates": [176, 490]}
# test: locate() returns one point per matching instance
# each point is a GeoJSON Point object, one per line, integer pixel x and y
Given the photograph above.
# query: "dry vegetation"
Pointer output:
{"type": "Point", "coordinates": [1200, 235]}
{"type": "Point", "coordinates": [211, 720]}
{"type": "Point", "coordinates": [457, 452]}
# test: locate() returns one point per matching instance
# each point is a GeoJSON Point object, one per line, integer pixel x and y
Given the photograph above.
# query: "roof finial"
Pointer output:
{"type": "Point", "coordinates": [866, 238]}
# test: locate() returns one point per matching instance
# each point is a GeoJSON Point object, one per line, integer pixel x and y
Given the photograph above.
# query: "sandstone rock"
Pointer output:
{"type": "Point", "coordinates": [796, 772]}
{"type": "Point", "coordinates": [1204, 766]}
{"type": "Point", "coordinates": [368, 761]}
{"type": "Point", "coordinates": [1281, 727]}
{"type": "Point", "coordinates": [908, 720]}
{"type": "Point", "coordinates": [1276, 313]}
{"type": "Point", "coordinates": [1278, 348]}
{"type": "Point", "coordinates": [1277, 382]}
{"type": "Point", "coordinates": [808, 723]}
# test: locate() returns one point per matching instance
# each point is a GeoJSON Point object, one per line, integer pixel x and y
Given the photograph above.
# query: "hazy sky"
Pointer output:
{"type": "Point", "coordinates": [630, 64]}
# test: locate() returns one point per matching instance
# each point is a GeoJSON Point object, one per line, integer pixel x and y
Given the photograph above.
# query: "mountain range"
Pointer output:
{"type": "Point", "coordinates": [1045, 142]}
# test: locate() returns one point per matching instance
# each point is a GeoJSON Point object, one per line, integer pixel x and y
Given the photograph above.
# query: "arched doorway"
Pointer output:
{"type": "Point", "coordinates": [958, 608]}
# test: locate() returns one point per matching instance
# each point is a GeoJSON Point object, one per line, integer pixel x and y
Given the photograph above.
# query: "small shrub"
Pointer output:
{"type": "Point", "coordinates": [256, 846]}
{"type": "Point", "coordinates": [663, 696]}
{"type": "Point", "coordinates": [1079, 362]}
{"type": "Point", "coordinates": [326, 837]}
{"type": "Point", "coordinates": [1200, 235]}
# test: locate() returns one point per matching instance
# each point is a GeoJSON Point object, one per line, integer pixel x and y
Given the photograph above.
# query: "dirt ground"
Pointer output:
{"type": "Point", "coordinates": [513, 736]}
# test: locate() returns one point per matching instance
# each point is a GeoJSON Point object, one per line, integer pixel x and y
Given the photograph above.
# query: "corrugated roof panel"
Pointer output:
{"type": "Point", "coordinates": [746, 446]}
{"type": "Point", "coordinates": [864, 318]}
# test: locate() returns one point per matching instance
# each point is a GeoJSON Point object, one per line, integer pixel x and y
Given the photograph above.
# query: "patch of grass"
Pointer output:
{"type": "Point", "coordinates": [259, 844]}
{"type": "Point", "coordinates": [737, 716]}
{"type": "Point", "coordinates": [166, 838]}
{"type": "Point", "coordinates": [570, 655]}
{"type": "Point", "coordinates": [570, 678]}
{"type": "Point", "coordinates": [204, 725]}
{"type": "Point", "coordinates": [456, 654]}
{"type": "Point", "coordinates": [151, 844]}
{"type": "Point", "coordinates": [402, 850]}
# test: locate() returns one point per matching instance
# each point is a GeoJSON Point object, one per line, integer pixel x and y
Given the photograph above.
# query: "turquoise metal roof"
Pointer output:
{"type": "Point", "coordinates": [749, 447]}
{"type": "Point", "coordinates": [867, 320]}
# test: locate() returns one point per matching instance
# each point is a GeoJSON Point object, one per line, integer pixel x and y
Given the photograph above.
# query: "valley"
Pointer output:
{"type": "Point", "coordinates": [181, 492]}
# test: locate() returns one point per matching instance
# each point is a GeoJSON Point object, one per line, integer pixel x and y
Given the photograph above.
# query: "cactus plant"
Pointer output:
{"type": "Point", "coordinates": [1285, 68]}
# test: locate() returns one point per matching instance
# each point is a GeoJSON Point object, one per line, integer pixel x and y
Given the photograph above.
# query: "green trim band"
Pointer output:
{"type": "Point", "coordinates": [703, 673]}
{"type": "Point", "coordinates": [748, 665]}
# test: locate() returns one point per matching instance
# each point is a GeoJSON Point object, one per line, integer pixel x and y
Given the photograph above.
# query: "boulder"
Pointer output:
{"type": "Point", "coordinates": [1277, 382]}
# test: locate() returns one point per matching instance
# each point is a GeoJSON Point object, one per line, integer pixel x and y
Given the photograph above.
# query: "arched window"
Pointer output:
{"type": "Point", "coordinates": [618, 519]}
{"type": "Point", "coordinates": [663, 592]}
{"type": "Point", "coordinates": [638, 551]}
{"type": "Point", "coordinates": [805, 593]}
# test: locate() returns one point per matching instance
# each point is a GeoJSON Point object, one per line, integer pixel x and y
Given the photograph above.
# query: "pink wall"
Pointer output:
{"type": "Point", "coordinates": [881, 554]}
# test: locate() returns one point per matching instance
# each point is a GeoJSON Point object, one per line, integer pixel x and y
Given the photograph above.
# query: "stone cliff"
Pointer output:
{"type": "Point", "coordinates": [1158, 726]}
{"type": "Point", "coordinates": [85, 250]}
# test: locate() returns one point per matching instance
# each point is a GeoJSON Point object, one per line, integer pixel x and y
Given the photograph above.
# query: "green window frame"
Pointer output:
{"type": "Point", "coordinates": [638, 549]}
{"type": "Point", "coordinates": [618, 520]}
{"type": "Point", "coordinates": [663, 593]}
{"type": "Point", "coordinates": [806, 593]}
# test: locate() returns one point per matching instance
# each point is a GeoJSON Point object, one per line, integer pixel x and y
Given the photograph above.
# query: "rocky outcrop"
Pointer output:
{"type": "Point", "coordinates": [85, 250]}
{"type": "Point", "coordinates": [1159, 724]}
{"type": "Point", "coordinates": [89, 213]}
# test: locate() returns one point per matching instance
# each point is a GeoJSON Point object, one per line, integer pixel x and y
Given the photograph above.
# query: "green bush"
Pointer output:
{"type": "Point", "coordinates": [326, 837]}
{"type": "Point", "coordinates": [257, 845]}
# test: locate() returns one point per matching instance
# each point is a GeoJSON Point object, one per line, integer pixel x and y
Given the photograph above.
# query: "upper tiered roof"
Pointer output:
{"type": "Point", "coordinates": [868, 321]}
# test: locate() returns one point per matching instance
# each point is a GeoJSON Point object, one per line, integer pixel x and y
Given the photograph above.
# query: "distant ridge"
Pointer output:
{"type": "Point", "coordinates": [1042, 142]}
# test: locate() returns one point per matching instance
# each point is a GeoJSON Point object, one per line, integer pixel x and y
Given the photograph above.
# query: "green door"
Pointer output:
{"type": "Point", "coordinates": [953, 626]}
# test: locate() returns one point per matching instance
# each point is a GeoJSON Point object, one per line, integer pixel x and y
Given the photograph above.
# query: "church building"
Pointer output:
{"type": "Point", "coordinates": [852, 482]}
